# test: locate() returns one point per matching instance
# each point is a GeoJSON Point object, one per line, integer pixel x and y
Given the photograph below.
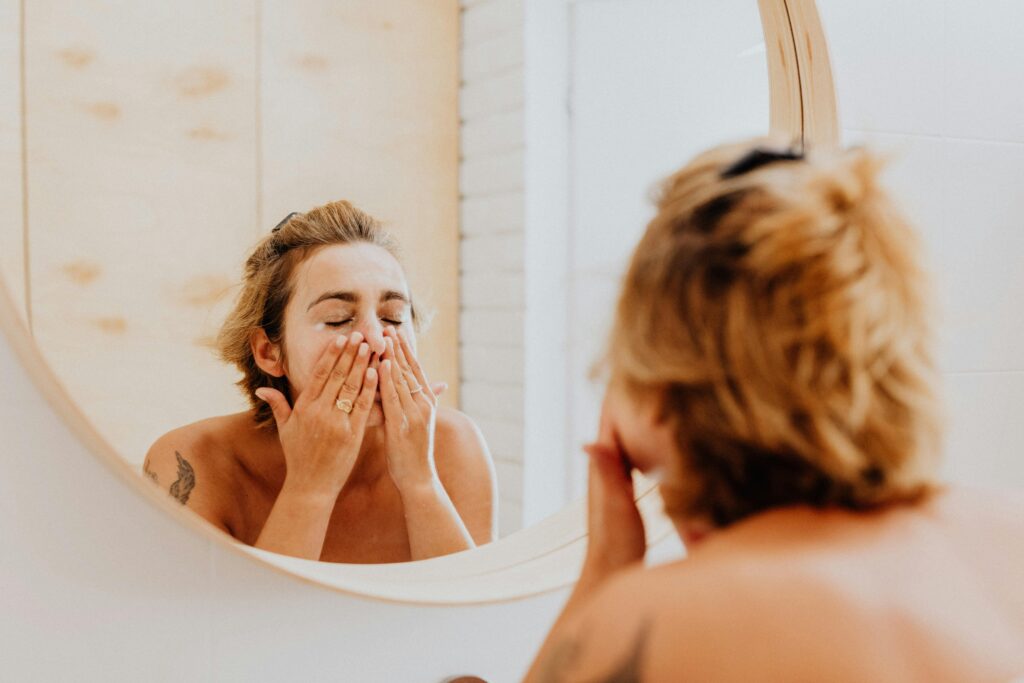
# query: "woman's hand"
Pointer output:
{"type": "Point", "coordinates": [616, 537]}
{"type": "Point", "coordinates": [320, 441]}
{"type": "Point", "coordinates": [410, 410]}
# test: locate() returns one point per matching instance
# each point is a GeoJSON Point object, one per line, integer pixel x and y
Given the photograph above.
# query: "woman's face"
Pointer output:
{"type": "Point", "coordinates": [343, 289]}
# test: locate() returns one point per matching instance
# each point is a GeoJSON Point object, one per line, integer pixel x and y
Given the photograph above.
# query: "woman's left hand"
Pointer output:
{"type": "Point", "coordinates": [410, 408]}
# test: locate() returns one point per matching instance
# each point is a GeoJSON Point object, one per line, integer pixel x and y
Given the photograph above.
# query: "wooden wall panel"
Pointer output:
{"type": "Point", "coordinates": [12, 245]}
{"type": "Point", "coordinates": [142, 201]}
{"type": "Point", "coordinates": [360, 102]}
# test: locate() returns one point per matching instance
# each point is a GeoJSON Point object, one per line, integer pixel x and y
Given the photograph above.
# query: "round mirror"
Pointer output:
{"type": "Point", "coordinates": [507, 150]}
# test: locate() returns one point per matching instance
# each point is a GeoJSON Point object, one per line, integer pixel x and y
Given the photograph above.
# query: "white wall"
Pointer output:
{"type": "Point", "coordinates": [491, 255]}
{"type": "Point", "coordinates": [572, 110]}
{"type": "Point", "coordinates": [98, 585]}
{"type": "Point", "coordinates": [937, 84]}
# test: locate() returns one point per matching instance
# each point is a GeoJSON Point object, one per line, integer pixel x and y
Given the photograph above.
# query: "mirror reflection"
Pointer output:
{"type": "Point", "coordinates": [344, 454]}
{"type": "Point", "coordinates": [464, 201]}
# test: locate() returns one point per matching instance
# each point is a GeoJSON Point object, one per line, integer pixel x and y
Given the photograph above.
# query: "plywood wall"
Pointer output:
{"type": "Point", "coordinates": [12, 234]}
{"type": "Point", "coordinates": [162, 140]}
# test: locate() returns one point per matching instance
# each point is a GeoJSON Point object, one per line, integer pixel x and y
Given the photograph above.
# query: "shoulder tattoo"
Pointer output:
{"type": "Point", "coordinates": [565, 655]}
{"type": "Point", "coordinates": [182, 487]}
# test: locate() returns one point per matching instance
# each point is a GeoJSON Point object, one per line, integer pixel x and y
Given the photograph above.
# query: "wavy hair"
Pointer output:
{"type": "Point", "coordinates": [781, 317]}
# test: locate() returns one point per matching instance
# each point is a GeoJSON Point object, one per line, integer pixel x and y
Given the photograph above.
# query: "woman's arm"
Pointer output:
{"type": "Point", "coordinates": [321, 443]}
{"type": "Point", "coordinates": [616, 543]}
{"type": "Point", "coordinates": [433, 520]}
{"type": "Point", "coordinates": [434, 525]}
{"type": "Point", "coordinates": [181, 465]}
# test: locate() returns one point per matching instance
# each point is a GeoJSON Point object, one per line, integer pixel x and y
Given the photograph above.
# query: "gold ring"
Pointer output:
{"type": "Point", "coordinates": [344, 405]}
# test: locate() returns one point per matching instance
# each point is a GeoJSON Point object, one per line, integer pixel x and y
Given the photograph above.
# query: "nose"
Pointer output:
{"type": "Point", "coordinates": [373, 334]}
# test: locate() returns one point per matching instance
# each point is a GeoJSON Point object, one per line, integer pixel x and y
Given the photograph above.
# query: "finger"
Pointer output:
{"type": "Point", "coordinates": [413, 364]}
{"type": "Point", "coordinates": [364, 402]}
{"type": "Point", "coordinates": [439, 388]}
{"type": "Point", "coordinates": [399, 378]}
{"type": "Point", "coordinates": [350, 388]}
{"type": "Point", "coordinates": [278, 404]}
{"type": "Point", "coordinates": [389, 400]}
{"type": "Point", "coordinates": [322, 370]}
{"type": "Point", "coordinates": [343, 369]}
{"type": "Point", "coordinates": [611, 467]}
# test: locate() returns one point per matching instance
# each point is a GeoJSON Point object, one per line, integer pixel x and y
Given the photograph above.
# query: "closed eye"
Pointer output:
{"type": "Point", "coordinates": [338, 323]}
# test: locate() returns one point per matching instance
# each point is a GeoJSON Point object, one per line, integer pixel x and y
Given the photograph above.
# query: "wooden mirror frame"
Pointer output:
{"type": "Point", "coordinates": [547, 555]}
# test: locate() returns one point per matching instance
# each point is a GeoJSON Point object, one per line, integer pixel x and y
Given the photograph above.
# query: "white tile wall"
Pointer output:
{"type": "Point", "coordinates": [490, 214]}
{"type": "Point", "coordinates": [935, 85]}
{"type": "Point", "coordinates": [985, 439]}
{"type": "Point", "coordinates": [492, 223]}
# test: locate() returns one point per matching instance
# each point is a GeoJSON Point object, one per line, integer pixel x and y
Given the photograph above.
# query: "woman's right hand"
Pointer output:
{"type": "Point", "coordinates": [320, 441]}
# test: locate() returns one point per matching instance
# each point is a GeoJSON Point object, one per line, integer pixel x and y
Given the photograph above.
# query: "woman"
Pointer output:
{"type": "Point", "coordinates": [345, 455]}
{"type": "Point", "coordinates": [770, 355]}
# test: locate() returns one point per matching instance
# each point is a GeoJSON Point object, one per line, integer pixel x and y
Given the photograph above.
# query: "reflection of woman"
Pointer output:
{"type": "Point", "coordinates": [770, 352]}
{"type": "Point", "coordinates": [345, 456]}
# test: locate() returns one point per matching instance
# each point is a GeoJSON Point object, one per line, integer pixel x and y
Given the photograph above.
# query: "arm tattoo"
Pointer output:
{"type": "Point", "coordinates": [181, 488]}
{"type": "Point", "coordinates": [566, 654]}
{"type": "Point", "coordinates": [629, 671]}
{"type": "Point", "coordinates": [149, 473]}
{"type": "Point", "coordinates": [563, 656]}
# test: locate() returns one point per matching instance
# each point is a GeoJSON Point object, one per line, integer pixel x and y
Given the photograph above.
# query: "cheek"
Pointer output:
{"type": "Point", "coordinates": [301, 357]}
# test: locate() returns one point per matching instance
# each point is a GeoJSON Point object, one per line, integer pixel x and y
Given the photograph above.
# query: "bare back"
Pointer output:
{"type": "Point", "coordinates": [931, 593]}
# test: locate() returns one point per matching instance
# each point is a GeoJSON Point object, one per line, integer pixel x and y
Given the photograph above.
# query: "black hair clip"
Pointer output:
{"type": "Point", "coordinates": [758, 157]}
{"type": "Point", "coordinates": [284, 220]}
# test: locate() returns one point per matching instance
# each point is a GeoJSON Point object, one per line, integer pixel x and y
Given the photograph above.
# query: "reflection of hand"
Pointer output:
{"type": "Point", "coordinates": [320, 441]}
{"type": "Point", "coordinates": [410, 408]}
{"type": "Point", "coordinates": [616, 531]}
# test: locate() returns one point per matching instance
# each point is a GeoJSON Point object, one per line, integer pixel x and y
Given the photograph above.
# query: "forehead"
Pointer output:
{"type": "Point", "coordinates": [357, 268]}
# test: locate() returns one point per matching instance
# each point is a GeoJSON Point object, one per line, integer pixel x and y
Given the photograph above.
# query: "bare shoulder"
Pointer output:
{"type": "Point", "coordinates": [681, 621]}
{"type": "Point", "coordinates": [461, 448]}
{"type": "Point", "coordinates": [465, 468]}
{"type": "Point", "coordinates": [194, 464]}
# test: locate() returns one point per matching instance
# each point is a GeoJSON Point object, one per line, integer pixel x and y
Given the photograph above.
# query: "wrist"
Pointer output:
{"type": "Point", "coordinates": [312, 493]}
{"type": "Point", "coordinates": [418, 488]}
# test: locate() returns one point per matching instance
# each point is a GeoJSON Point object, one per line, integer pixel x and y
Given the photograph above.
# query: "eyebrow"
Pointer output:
{"type": "Point", "coordinates": [352, 297]}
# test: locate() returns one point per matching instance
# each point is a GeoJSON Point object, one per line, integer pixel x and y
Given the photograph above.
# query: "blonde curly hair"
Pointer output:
{"type": "Point", "coordinates": [781, 318]}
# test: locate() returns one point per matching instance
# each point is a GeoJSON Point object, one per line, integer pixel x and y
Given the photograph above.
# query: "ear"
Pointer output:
{"type": "Point", "coordinates": [267, 354]}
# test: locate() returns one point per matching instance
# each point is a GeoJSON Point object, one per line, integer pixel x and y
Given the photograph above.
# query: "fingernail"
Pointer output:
{"type": "Point", "coordinates": [259, 395]}
{"type": "Point", "coordinates": [356, 337]}
{"type": "Point", "coordinates": [364, 349]}
{"type": "Point", "coordinates": [340, 341]}
{"type": "Point", "coordinates": [371, 374]}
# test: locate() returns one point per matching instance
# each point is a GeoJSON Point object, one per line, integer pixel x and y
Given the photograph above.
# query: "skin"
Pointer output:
{"type": "Point", "coordinates": [397, 479]}
{"type": "Point", "coordinates": [924, 592]}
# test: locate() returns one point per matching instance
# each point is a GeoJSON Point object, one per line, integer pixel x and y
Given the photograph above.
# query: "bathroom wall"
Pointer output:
{"type": "Point", "coordinates": [144, 150]}
{"type": "Point", "coordinates": [936, 86]}
{"type": "Point", "coordinates": [100, 585]}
